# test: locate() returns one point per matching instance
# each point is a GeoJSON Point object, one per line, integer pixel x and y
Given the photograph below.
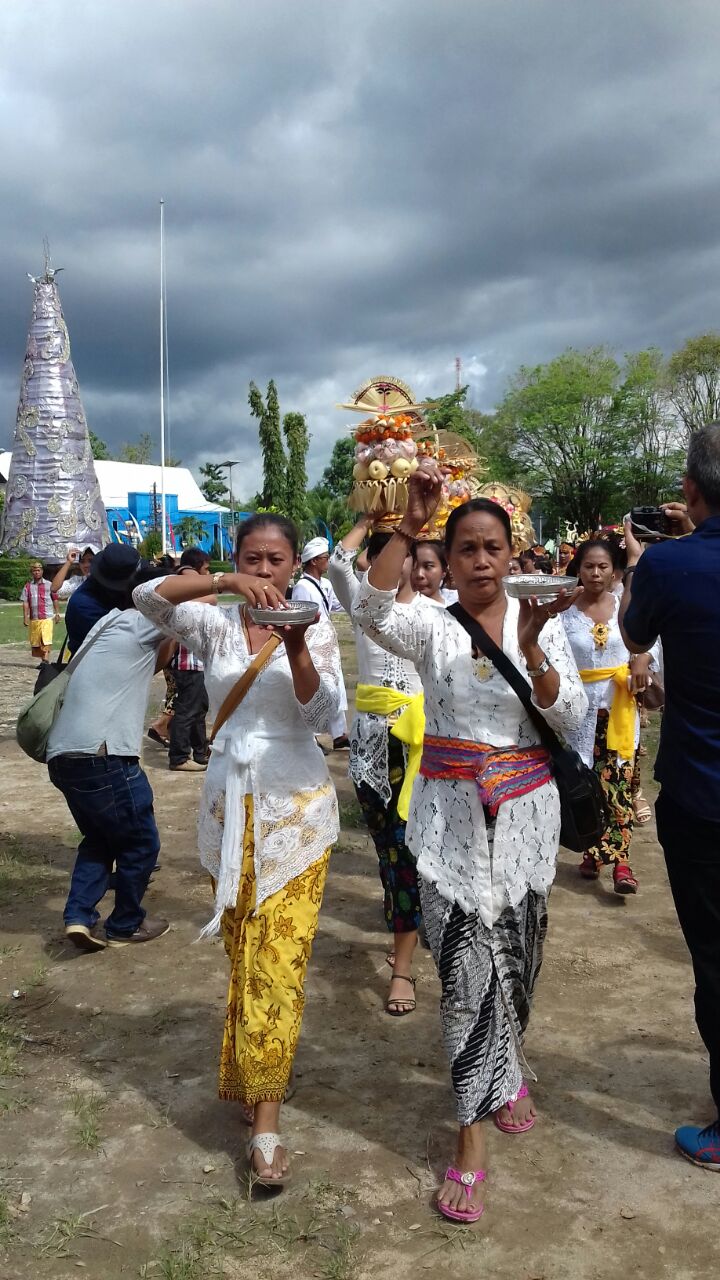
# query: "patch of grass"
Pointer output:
{"type": "Point", "coordinates": [21, 870]}
{"type": "Point", "coordinates": [87, 1109]}
{"type": "Point", "coordinates": [341, 1263]}
{"type": "Point", "coordinates": [351, 814]}
{"type": "Point", "coordinates": [9, 949]}
{"type": "Point", "coordinates": [5, 1220]}
{"type": "Point", "coordinates": [313, 1239]}
{"type": "Point", "coordinates": [57, 1237]}
{"type": "Point", "coordinates": [12, 630]}
{"type": "Point", "coordinates": [10, 1044]}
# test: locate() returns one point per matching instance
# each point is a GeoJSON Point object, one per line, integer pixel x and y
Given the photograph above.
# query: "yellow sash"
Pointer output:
{"type": "Point", "coordinates": [621, 725]}
{"type": "Point", "coordinates": [409, 728]}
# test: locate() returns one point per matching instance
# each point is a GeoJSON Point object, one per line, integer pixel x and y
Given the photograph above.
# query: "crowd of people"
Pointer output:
{"type": "Point", "coordinates": [449, 765]}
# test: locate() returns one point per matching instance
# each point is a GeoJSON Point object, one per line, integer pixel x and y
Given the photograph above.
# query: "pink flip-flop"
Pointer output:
{"type": "Point", "coordinates": [468, 1181]}
{"type": "Point", "coordinates": [523, 1092]}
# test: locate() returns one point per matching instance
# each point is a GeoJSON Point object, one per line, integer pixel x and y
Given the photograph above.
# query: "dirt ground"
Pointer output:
{"type": "Point", "coordinates": [117, 1159]}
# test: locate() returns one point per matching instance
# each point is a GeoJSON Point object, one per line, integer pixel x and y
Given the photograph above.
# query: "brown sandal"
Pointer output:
{"type": "Point", "coordinates": [401, 1013]}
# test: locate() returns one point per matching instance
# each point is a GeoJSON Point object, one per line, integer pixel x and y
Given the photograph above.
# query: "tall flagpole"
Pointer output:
{"type": "Point", "coordinates": [163, 515]}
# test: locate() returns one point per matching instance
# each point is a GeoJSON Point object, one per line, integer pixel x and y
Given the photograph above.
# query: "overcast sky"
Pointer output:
{"type": "Point", "coordinates": [352, 187]}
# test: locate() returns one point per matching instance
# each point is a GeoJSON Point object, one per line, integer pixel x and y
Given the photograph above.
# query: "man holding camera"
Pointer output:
{"type": "Point", "coordinates": [672, 590]}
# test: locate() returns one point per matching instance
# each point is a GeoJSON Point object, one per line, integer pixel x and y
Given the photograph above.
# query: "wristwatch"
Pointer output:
{"type": "Point", "coordinates": [216, 580]}
{"type": "Point", "coordinates": [541, 670]}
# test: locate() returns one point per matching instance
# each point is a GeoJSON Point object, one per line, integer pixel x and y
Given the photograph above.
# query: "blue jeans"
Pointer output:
{"type": "Point", "coordinates": [111, 801]}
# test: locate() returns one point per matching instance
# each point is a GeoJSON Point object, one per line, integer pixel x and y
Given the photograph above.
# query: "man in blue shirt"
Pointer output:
{"type": "Point", "coordinates": [673, 592]}
{"type": "Point", "coordinates": [106, 587]}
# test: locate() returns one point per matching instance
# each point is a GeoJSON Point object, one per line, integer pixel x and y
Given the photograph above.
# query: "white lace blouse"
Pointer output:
{"type": "Point", "coordinates": [468, 699]}
{"type": "Point", "coordinates": [265, 749]}
{"type": "Point", "coordinates": [376, 666]}
{"type": "Point", "coordinates": [579, 631]}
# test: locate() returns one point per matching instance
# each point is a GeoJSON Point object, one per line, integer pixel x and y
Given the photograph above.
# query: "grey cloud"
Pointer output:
{"type": "Point", "coordinates": [352, 188]}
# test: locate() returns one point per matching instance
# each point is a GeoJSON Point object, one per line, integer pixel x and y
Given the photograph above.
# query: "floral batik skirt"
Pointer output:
{"type": "Point", "coordinates": [269, 949]}
{"type": "Point", "coordinates": [398, 871]}
{"type": "Point", "coordinates": [617, 782]}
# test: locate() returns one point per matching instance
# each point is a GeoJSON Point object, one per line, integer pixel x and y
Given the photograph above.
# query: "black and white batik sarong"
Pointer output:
{"type": "Point", "coordinates": [487, 977]}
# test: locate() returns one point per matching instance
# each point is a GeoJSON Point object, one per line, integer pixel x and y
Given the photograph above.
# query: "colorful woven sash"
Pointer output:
{"type": "Point", "coordinates": [500, 773]}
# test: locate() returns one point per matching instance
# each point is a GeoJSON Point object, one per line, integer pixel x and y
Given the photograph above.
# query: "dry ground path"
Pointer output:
{"type": "Point", "coordinates": [116, 1159]}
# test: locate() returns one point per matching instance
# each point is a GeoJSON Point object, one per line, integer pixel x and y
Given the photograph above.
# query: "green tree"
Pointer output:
{"type": "Point", "coordinates": [450, 413]}
{"type": "Point", "coordinates": [100, 451]}
{"type": "Point", "coordinates": [139, 452]}
{"type": "Point", "coordinates": [563, 435]}
{"type": "Point", "coordinates": [694, 381]}
{"type": "Point", "coordinates": [337, 478]}
{"type": "Point", "coordinates": [643, 413]}
{"type": "Point", "coordinates": [191, 530]}
{"type": "Point", "coordinates": [151, 544]}
{"type": "Point", "coordinates": [298, 440]}
{"type": "Point", "coordinates": [274, 490]}
{"type": "Point", "coordinates": [214, 485]}
{"type": "Point", "coordinates": [327, 513]}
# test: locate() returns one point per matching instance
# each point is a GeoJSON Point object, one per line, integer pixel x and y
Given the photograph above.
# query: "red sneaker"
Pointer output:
{"type": "Point", "coordinates": [624, 879]}
{"type": "Point", "coordinates": [588, 868]}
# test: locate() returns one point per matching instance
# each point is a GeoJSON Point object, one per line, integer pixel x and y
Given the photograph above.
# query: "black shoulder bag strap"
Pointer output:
{"type": "Point", "coordinates": [306, 577]}
{"type": "Point", "coordinates": [509, 672]}
{"type": "Point", "coordinates": [582, 802]}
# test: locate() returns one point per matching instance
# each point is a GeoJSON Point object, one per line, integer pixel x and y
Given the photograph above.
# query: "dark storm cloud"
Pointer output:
{"type": "Point", "coordinates": [351, 189]}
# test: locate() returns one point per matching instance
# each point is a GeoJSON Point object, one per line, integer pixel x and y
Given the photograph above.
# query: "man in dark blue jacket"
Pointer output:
{"type": "Point", "coordinates": [672, 590]}
{"type": "Point", "coordinates": [106, 587]}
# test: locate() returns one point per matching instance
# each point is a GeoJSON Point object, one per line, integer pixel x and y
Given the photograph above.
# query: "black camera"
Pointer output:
{"type": "Point", "coordinates": [649, 522]}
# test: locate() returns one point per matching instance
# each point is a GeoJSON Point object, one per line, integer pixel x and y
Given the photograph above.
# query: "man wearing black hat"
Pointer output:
{"type": "Point", "coordinates": [107, 586]}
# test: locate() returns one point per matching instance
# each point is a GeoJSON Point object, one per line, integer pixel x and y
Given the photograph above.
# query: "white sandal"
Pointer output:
{"type": "Point", "coordinates": [266, 1144]}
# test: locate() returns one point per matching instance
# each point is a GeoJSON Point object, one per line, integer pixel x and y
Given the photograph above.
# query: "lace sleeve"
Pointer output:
{"type": "Point", "coordinates": [571, 705]}
{"type": "Point", "coordinates": [401, 629]}
{"type": "Point", "coordinates": [196, 625]}
{"type": "Point", "coordinates": [324, 705]}
{"type": "Point", "coordinates": [342, 576]}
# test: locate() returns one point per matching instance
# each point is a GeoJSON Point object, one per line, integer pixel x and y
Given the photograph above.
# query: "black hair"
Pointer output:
{"type": "Point", "coordinates": [87, 552]}
{"type": "Point", "coordinates": [527, 557]}
{"type": "Point", "coordinates": [477, 506]}
{"type": "Point", "coordinates": [435, 545]}
{"type": "Point", "coordinates": [376, 542]}
{"type": "Point", "coordinates": [264, 520]}
{"type": "Point", "coordinates": [543, 564]}
{"type": "Point", "coordinates": [587, 546]}
{"type": "Point", "coordinates": [166, 563]}
{"type": "Point", "coordinates": [194, 558]}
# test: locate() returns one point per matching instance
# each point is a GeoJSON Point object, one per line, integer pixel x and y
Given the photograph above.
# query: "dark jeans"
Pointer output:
{"type": "Point", "coordinates": [187, 727]}
{"type": "Point", "coordinates": [692, 852]}
{"type": "Point", "coordinates": [111, 801]}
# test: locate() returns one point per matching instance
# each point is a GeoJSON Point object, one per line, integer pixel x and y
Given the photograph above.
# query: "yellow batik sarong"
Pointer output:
{"type": "Point", "coordinates": [269, 952]}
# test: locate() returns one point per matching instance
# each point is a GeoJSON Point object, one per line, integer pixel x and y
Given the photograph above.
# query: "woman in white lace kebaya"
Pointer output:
{"type": "Point", "coordinates": [268, 812]}
{"type": "Point", "coordinates": [609, 736]}
{"type": "Point", "coordinates": [484, 818]}
{"type": "Point", "coordinates": [386, 685]}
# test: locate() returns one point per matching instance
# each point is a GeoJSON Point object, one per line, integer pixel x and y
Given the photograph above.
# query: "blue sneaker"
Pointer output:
{"type": "Point", "coordinates": [701, 1146]}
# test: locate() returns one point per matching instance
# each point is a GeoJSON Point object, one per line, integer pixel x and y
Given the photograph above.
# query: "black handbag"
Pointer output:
{"type": "Point", "coordinates": [48, 671]}
{"type": "Point", "coordinates": [583, 809]}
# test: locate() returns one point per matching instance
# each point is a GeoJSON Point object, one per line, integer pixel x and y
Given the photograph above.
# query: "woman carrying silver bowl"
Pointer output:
{"type": "Point", "coordinates": [484, 819]}
{"type": "Point", "coordinates": [268, 812]}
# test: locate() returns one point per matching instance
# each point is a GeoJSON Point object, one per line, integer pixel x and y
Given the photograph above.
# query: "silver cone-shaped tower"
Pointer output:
{"type": "Point", "coordinates": [52, 500]}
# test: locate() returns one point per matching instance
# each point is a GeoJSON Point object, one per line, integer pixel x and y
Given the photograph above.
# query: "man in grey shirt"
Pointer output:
{"type": "Point", "coordinates": [94, 759]}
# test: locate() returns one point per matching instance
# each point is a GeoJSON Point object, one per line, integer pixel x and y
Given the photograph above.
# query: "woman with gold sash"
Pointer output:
{"type": "Point", "coordinates": [610, 733]}
{"type": "Point", "coordinates": [484, 818]}
{"type": "Point", "coordinates": [268, 813]}
{"type": "Point", "coordinates": [388, 702]}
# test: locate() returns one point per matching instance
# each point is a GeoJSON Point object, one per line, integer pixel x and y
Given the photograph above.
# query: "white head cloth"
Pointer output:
{"type": "Point", "coordinates": [315, 547]}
